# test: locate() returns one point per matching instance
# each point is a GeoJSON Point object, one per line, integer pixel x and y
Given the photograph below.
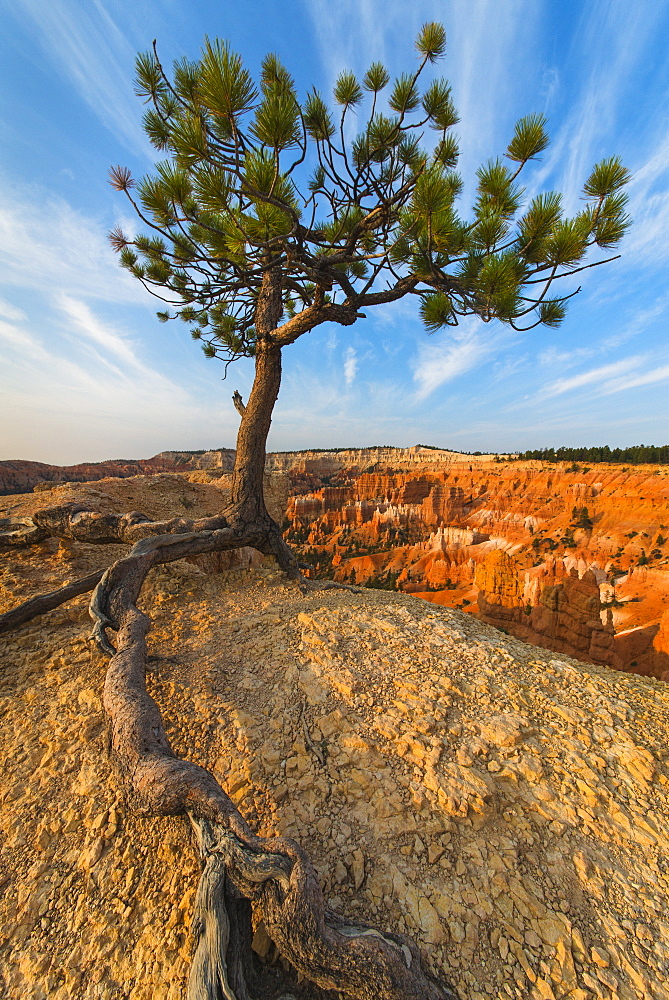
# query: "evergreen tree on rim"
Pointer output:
{"type": "Point", "coordinates": [265, 220]}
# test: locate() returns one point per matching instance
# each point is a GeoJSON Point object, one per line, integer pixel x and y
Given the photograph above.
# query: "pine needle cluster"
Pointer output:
{"type": "Point", "coordinates": [256, 179]}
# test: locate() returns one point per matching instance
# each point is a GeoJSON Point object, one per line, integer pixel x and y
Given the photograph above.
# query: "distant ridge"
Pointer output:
{"type": "Point", "coordinates": [22, 476]}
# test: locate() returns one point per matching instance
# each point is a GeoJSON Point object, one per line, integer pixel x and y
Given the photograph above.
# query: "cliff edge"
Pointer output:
{"type": "Point", "coordinates": [506, 806]}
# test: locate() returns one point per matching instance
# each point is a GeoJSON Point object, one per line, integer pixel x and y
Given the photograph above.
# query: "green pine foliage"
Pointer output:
{"type": "Point", "coordinates": [640, 454]}
{"type": "Point", "coordinates": [257, 178]}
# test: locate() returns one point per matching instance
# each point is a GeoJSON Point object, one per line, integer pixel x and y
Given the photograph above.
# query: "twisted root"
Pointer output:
{"type": "Point", "coordinates": [238, 867]}
{"type": "Point", "coordinates": [275, 873]}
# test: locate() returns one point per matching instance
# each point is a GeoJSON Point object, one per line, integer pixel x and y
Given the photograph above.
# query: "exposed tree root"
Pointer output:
{"type": "Point", "coordinates": [77, 522]}
{"type": "Point", "coordinates": [17, 532]}
{"type": "Point", "coordinates": [47, 602]}
{"type": "Point", "coordinates": [238, 866]}
{"type": "Point", "coordinates": [80, 523]}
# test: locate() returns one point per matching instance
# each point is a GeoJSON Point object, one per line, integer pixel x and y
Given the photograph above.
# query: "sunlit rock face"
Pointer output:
{"type": "Point", "coordinates": [575, 559]}
{"type": "Point", "coordinates": [566, 617]}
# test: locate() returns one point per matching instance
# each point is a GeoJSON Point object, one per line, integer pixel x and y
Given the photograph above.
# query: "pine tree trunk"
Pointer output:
{"type": "Point", "coordinates": [248, 513]}
{"type": "Point", "coordinates": [248, 503]}
{"type": "Point", "coordinates": [238, 866]}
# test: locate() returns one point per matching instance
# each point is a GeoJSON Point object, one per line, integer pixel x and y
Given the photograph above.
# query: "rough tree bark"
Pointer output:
{"type": "Point", "coordinates": [275, 873]}
{"type": "Point", "coordinates": [239, 868]}
{"type": "Point", "coordinates": [47, 602]}
{"type": "Point", "coordinates": [247, 510]}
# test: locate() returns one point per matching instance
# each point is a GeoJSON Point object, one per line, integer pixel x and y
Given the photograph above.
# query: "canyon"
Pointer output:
{"type": "Point", "coordinates": [569, 557]}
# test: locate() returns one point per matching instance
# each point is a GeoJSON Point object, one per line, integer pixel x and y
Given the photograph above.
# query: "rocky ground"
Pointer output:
{"type": "Point", "coordinates": [507, 807]}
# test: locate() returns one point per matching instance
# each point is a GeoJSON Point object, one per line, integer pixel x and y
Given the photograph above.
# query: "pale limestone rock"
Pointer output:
{"type": "Point", "coordinates": [600, 957]}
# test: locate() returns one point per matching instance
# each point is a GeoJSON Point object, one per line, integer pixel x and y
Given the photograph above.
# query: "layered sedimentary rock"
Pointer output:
{"type": "Point", "coordinates": [607, 522]}
{"type": "Point", "coordinates": [566, 617]}
{"type": "Point", "coordinates": [19, 476]}
{"type": "Point", "coordinates": [646, 649]}
{"type": "Point", "coordinates": [361, 459]}
{"type": "Point", "coordinates": [422, 520]}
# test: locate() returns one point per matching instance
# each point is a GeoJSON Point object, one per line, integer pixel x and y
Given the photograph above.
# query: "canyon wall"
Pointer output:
{"type": "Point", "coordinates": [18, 476]}
{"type": "Point", "coordinates": [560, 555]}
{"type": "Point", "coordinates": [437, 524]}
{"type": "Point", "coordinates": [361, 459]}
{"type": "Point", "coordinates": [566, 617]}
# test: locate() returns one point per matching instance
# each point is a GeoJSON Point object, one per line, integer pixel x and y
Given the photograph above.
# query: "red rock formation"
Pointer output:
{"type": "Point", "coordinates": [544, 521]}
{"type": "Point", "coordinates": [498, 584]}
{"type": "Point", "coordinates": [645, 650]}
{"type": "Point", "coordinates": [426, 521]}
{"type": "Point", "coordinates": [18, 476]}
{"type": "Point", "coordinates": [566, 619]}
{"type": "Point", "coordinates": [661, 640]}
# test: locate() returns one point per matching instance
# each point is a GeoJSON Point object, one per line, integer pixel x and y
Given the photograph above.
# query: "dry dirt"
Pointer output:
{"type": "Point", "coordinates": [506, 806]}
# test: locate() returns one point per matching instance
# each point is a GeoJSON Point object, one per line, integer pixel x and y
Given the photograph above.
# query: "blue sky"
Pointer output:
{"type": "Point", "coordinates": [88, 373]}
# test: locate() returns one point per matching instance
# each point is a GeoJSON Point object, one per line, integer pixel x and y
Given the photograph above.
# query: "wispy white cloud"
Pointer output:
{"type": "Point", "coordinates": [447, 356]}
{"type": "Point", "coordinates": [640, 323]}
{"type": "Point", "coordinates": [507, 367]}
{"type": "Point", "coordinates": [490, 58]}
{"type": "Point", "coordinates": [73, 375]}
{"type": "Point", "coordinates": [322, 388]}
{"type": "Point", "coordinates": [551, 357]}
{"type": "Point", "coordinates": [647, 242]}
{"type": "Point", "coordinates": [16, 337]}
{"type": "Point", "coordinates": [112, 347]}
{"type": "Point", "coordinates": [10, 312]}
{"type": "Point", "coordinates": [75, 404]}
{"type": "Point", "coordinates": [89, 49]}
{"type": "Point", "coordinates": [609, 42]}
{"type": "Point", "coordinates": [341, 48]}
{"type": "Point", "coordinates": [350, 365]}
{"type": "Point", "coordinates": [635, 381]}
{"type": "Point", "coordinates": [595, 377]}
{"type": "Point", "coordinates": [47, 244]}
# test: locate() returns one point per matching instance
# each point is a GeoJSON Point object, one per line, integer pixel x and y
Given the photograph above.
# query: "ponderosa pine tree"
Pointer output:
{"type": "Point", "coordinates": [264, 221]}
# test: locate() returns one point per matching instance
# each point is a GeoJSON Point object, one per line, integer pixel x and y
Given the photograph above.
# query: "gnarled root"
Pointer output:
{"type": "Point", "coordinates": [80, 523]}
{"type": "Point", "coordinates": [328, 949]}
{"type": "Point", "coordinates": [47, 602]}
{"type": "Point", "coordinates": [17, 532]}
{"type": "Point", "coordinates": [238, 866]}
